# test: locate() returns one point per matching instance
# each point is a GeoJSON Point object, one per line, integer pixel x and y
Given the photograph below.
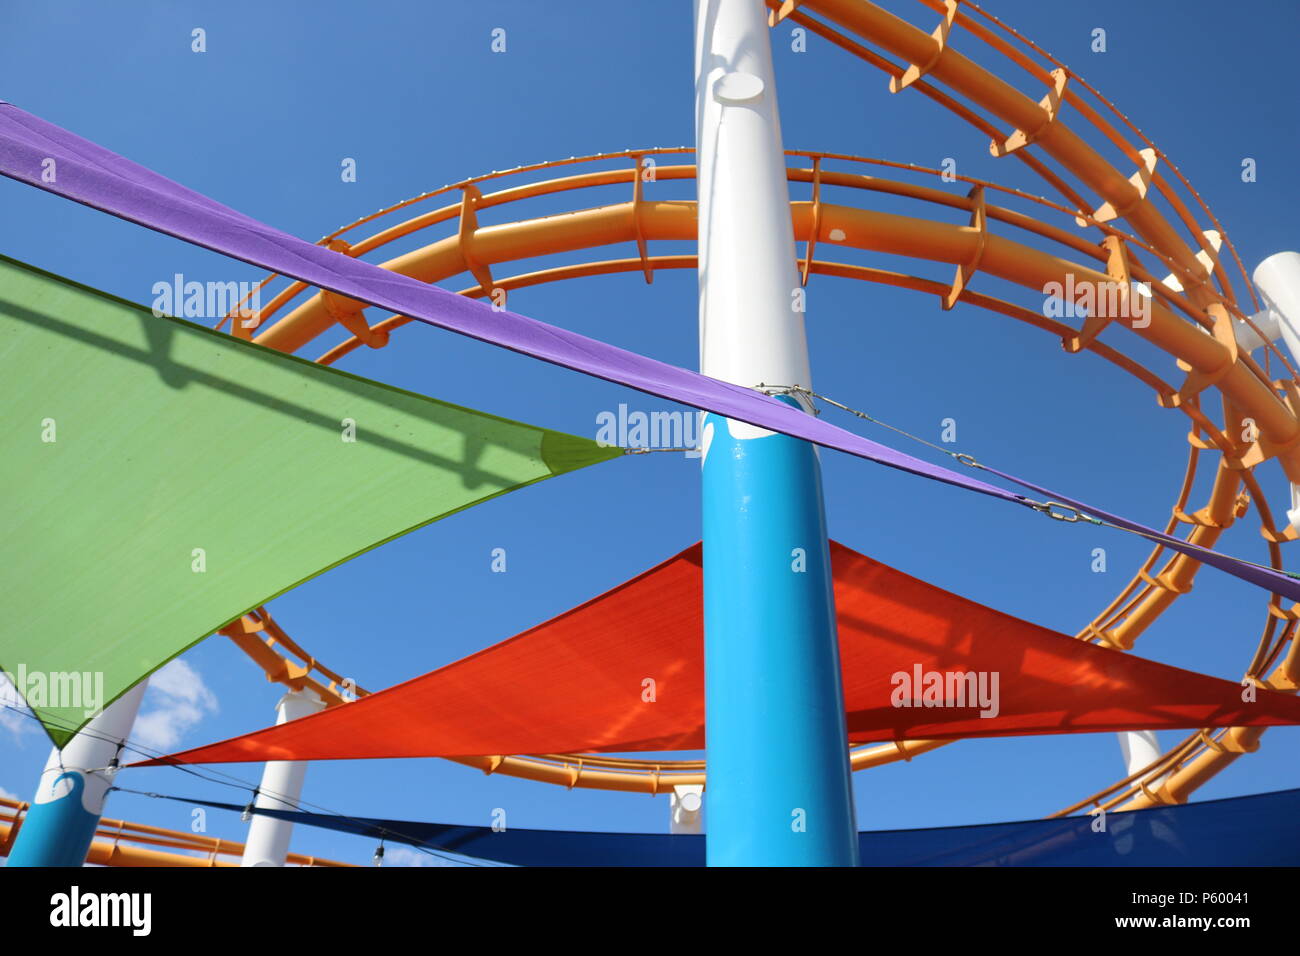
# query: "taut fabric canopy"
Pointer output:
{"type": "Point", "coordinates": [624, 672]}
{"type": "Point", "coordinates": [1259, 830]}
{"type": "Point", "coordinates": [161, 479]}
{"type": "Point", "coordinates": [90, 174]}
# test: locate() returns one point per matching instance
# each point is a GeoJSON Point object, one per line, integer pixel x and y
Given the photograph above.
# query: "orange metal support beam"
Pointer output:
{"type": "Point", "coordinates": [862, 229]}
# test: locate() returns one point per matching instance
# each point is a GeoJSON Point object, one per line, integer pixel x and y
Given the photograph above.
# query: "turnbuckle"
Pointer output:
{"type": "Point", "coordinates": [1068, 513]}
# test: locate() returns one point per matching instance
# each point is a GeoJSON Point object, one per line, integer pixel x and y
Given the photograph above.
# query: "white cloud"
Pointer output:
{"type": "Point", "coordinates": [5, 794]}
{"type": "Point", "coordinates": [408, 856]}
{"type": "Point", "coordinates": [177, 700]}
{"type": "Point", "coordinates": [15, 718]}
{"type": "Point", "coordinates": [403, 856]}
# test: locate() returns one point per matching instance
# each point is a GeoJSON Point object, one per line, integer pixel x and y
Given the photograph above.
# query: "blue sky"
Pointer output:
{"type": "Point", "coordinates": [261, 122]}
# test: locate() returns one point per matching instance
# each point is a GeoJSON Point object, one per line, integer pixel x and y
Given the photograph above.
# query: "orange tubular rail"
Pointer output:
{"type": "Point", "coordinates": [1197, 759]}
{"type": "Point", "coordinates": [1174, 317]}
{"type": "Point", "coordinates": [122, 843]}
{"type": "Point", "coordinates": [1044, 125]}
{"type": "Point", "coordinates": [1048, 131]}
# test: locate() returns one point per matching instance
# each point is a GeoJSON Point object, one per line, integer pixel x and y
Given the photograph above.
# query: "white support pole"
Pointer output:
{"type": "Point", "coordinates": [1140, 749]}
{"type": "Point", "coordinates": [1278, 280]}
{"type": "Point", "coordinates": [268, 838]}
{"type": "Point", "coordinates": [685, 805]}
{"type": "Point", "coordinates": [750, 329]}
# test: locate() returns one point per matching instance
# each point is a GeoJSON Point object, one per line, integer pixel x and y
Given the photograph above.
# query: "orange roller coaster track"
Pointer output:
{"type": "Point", "coordinates": [1025, 240]}
{"type": "Point", "coordinates": [121, 843]}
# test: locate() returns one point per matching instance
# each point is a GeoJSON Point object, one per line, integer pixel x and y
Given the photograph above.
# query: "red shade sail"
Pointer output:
{"type": "Point", "coordinates": [624, 672]}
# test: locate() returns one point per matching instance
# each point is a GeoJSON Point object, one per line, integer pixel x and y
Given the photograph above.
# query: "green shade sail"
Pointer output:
{"type": "Point", "coordinates": [160, 479]}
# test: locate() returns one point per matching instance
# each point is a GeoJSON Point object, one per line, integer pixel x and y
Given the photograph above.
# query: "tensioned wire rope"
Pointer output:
{"type": "Point", "coordinates": [1053, 509]}
{"type": "Point", "coordinates": [126, 743]}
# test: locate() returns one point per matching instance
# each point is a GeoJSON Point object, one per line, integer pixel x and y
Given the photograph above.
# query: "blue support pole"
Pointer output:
{"type": "Point", "coordinates": [779, 791]}
{"type": "Point", "coordinates": [60, 825]}
{"type": "Point", "coordinates": [57, 833]}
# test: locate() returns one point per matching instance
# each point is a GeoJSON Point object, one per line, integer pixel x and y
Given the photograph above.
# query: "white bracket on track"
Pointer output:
{"type": "Point", "coordinates": [1208, 257]}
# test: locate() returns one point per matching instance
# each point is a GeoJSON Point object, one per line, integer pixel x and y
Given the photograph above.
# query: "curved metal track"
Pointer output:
{"type": "Point", "coordinates": [1013, 235]}
{"type": "Point", "coordinates": [122, 843]}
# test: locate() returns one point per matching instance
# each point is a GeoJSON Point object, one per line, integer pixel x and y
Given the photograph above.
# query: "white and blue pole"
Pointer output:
{"type": "Point", "coordinates": [60, 825]}
{"type": "Point", "coordinates": [779, 788]}
{"type": "Point", "coordinates": [281, 788]}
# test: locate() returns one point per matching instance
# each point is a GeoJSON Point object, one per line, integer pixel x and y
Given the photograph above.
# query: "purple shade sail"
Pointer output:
{"type": "Point", "coordinates": [91, 175]}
